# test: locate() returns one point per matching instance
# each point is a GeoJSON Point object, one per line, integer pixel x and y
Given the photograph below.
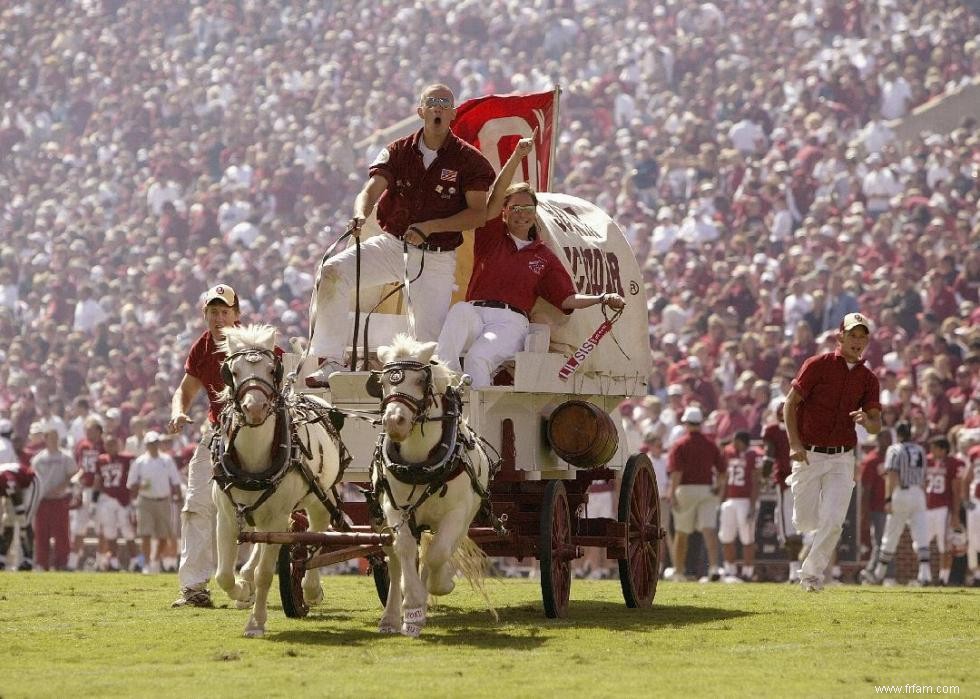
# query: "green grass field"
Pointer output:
{"type": "Point", "coordinates": [67, 635]}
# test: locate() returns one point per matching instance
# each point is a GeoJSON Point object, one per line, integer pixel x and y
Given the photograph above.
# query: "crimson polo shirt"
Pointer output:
{"type": "Point", "coordinates": [501, 272]}
{"type": "Point", "coordinates": [416, 194]}
{"type": "Point", "coordinates": [830, 393]}
{"type": "Point", "coordinates": [697, 457]}
{"type": "Point", "coordinates": [204, 364]}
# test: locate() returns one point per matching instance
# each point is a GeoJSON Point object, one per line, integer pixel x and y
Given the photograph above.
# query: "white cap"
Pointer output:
{"type": "Point", "coordinates": [692, 414]}
{"type": "Point", "coordinates": [152, 437]}
{"type": "Point", "coordinates": [852, 320]}
{"type": "Point", "coordinates": [221, 292]}
{"type": "Point", "coordinates": [675, 389]}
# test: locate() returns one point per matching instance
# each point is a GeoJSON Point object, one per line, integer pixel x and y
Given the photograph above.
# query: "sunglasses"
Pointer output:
{"type": "Point", "coordinates": [444, 102]}
{"type": "Point", "coordinates": [523, 208]}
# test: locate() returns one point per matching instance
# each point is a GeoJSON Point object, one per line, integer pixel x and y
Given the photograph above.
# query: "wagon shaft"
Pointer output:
{"type": "Point", "coordinates": [316, 538]}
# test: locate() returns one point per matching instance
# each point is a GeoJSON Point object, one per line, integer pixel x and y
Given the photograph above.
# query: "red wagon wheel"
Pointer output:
{"type": "Point", "coordinates": [291, 567]}
{"type": "Point", "coordinates": [639, 510]}
{"type": "Point", "coordinates": [555, 550]}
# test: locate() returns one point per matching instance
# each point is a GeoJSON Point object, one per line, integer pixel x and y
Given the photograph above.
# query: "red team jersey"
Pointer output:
{"type": "Point", "coordinates": [113, 470]}
{"type": "Point", "coordinates": [741, 472]}
{"type": "Point", "coordinates": [939, 481]}
{"type": "Point", "coordinates": [86, 454]}
{"type": "Point", "coordinates": [775, 436]}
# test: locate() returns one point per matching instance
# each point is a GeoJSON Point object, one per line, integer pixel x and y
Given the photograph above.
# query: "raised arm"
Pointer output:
{"type": "Point", "coordinates": [495, 202]}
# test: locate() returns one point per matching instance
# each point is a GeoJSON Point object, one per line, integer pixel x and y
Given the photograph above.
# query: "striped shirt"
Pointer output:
{"type": "Point", "coordinates": [908, 460]}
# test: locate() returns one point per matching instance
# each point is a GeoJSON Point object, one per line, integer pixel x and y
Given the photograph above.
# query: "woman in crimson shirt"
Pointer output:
{"type": "Point", "coordinates": [512, 268]}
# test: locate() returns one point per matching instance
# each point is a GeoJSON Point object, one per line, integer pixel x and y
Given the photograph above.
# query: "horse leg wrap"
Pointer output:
{"type": "Point", "coordinates": [413, 621]}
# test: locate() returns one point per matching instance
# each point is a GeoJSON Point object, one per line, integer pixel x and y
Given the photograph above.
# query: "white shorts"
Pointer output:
{"type": "Point", "coordinates": [112, 519]}
{"type": "Point", "coordinates": [83, 517]}
{"type": "Point", "coordinates": [694, 508]}
{"type": "Point", "coordinates": [936, 525]}
{"type": "Point", "coordinates": [733, 518]}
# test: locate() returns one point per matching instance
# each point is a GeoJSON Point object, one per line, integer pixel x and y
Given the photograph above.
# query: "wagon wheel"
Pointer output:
{"type": "Point", "coordinates": [291, 567]}
{"type": "Point", "coordinates": [379, 571]}
{"type": "Point", "coordinates": [639, 510]}
{"type": "Point", "coordinates": [555, 550]}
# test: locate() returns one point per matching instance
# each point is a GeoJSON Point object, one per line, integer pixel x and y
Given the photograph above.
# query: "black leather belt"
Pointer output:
{"type": "Point", "coordinates": [436, 247]}
{"type": "Point", "coordinates": [499, 304]}
{"type": "Point", "coordinates": [827, 450]}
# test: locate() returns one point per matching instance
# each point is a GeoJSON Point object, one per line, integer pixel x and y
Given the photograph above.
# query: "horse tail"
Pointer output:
{"type": "Point", "coordinates": [474, 565]}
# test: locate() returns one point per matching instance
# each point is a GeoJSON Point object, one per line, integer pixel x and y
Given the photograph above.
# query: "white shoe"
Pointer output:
{"type": "Point", "coordinates": [732, 579]}
{"type": "Point", "coordinates": [321, 377]}
{"type": "Point", "coordinates": [811, 583]}
{"type": "Point", "coordinates": [889, 582]}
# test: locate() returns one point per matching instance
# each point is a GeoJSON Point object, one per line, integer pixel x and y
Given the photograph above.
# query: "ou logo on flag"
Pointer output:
{"type": "Point", "coordinates": [498, 137]}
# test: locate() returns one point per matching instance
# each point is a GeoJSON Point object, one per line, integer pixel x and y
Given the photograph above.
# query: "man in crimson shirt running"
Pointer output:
{"type": "Point", "coordinates": [202, 371]}
{"type": "Point", "coordinates": [512, 267]}
{"type": "Point", "coordinates": [832, 393]}
{"type": "Point", "coordinates": [429, 188]}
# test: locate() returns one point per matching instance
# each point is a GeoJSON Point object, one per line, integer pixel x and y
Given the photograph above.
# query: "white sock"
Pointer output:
{"type": "Point", "coordinates": [944, 575]}
{"type": "Point", "coordinates": [730, 568]}
{"type": "Point", "coordinates": [835, 572]}
{"type": "Point", "coordinates": [794, 569]}
{"type": "Point", "coordinates": [925, 573]}
{"type": "Point", "coordinates": [747, 571]}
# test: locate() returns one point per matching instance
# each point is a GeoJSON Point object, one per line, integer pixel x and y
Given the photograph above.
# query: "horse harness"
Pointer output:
{"type": "Point", "coordinates": [447, 459]}
{"type": "Point", "coordinates": [289, 451]}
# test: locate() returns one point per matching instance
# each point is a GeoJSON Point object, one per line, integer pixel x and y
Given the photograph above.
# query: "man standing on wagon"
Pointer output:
{"type": "Point", "coordinates": [429, 188]}
{"type": "Point", "coordinates": [832, 393]}
{"type": "Point", "coordinates": [202, 371]}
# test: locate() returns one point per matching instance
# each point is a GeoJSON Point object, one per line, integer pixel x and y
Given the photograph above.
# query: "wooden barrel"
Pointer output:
{"type": "Point", "coordinates": [582, 434]}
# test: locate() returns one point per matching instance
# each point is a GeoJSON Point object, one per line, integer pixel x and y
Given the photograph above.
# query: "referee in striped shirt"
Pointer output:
{"type": "Point", "coordinates": [905, 503]}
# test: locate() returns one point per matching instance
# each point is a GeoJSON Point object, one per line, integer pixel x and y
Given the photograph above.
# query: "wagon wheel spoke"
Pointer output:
{"type": "Point", "coordinates": [639, 510]}
{"type": "Point", "coordinates": [555, 550]}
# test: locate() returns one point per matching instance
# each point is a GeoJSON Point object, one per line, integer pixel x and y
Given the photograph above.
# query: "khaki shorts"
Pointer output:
{"type": "Point", "coordinates": [695, 508]}
{"type": "Point", "coordinates": [153, 518]}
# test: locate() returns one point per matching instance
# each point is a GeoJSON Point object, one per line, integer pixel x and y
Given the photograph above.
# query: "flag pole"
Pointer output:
{"type": "Point", "coordinates": [554, 139]}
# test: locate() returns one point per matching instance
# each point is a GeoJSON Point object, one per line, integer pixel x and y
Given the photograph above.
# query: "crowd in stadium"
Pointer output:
{"type": "Point", "coordinates": [150, 150]}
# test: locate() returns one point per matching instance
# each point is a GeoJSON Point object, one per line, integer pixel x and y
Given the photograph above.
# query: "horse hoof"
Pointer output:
{"type": "Point", "coordinates": [245, 603]}
{"type": "Point", "coordinates": [385, 627]}
{"type": "Point", "coordinates": [318, 599]}
{"type": "Point", "coordinates": [411, 630]}
{"type": "Point", "coordinates": [254, 633]}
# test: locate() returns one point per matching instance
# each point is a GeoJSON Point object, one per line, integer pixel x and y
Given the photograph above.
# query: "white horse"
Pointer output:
{"type": "Point", "coordinates": [430, 473]}
{"type": "Point", "coordinates": [274, 456]}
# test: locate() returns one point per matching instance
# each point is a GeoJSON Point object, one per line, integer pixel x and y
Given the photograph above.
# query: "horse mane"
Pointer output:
{"type": "Point", "coordinates": [239, 337]}
{"type": "Point", "coordinates": [404, 346]}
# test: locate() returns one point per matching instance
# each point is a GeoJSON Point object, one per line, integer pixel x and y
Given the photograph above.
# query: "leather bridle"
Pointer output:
{"type": "Point", "coordinates": [393, 374]}
{"type": "Point", "coordinates": [271, 391]}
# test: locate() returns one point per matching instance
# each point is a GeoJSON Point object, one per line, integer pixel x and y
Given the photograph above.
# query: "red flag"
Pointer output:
{"type": "Point", "coordinates": [495, 123]}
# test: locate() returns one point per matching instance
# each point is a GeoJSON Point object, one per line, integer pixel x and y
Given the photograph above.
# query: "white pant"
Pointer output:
{"type": "Point", "coordinates": [733, 518]}
{"type": "Point", "coordinates": [908, 507]}
{"type": "Point", "coordinates": [821, 495]}
{"type": "Point", "coordinates": [198, 518]}
{"type": "Point", "coordinates": [113, 520]}
{"type": "Point", "coordinates": [973, 536]}
{"type": "Point", "coordinates": [382, 262]}
{"type": "Point", "coordinates": [488, 336]}
{"type": "Point", "coordinates": [936, 526]}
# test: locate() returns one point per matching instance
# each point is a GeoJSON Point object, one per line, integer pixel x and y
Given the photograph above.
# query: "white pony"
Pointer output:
{"type": "Point", "coordinates": [273, 456]}
{"type": "Point", "coordinates": [430, 473]}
